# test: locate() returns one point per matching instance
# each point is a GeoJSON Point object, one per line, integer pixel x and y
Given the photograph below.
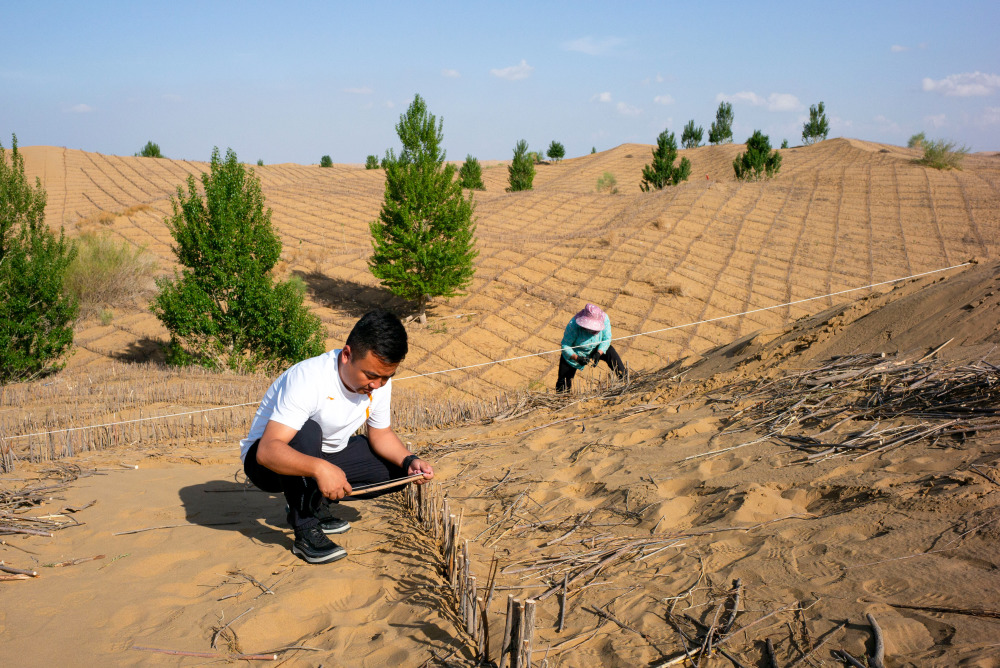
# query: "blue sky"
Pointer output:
{"type": "Point", "coordinates": [292, 81]}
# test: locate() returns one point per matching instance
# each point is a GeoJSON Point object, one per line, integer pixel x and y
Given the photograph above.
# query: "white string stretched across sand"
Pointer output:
{"type": "Point", "coordinates": [521, 357]}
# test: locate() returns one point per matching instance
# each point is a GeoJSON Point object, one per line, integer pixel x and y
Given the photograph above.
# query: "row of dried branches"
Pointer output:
{"type": "Point", "coordinates": [868, 403]}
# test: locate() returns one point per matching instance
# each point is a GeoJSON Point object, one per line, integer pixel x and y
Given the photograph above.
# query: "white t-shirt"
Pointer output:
{"type": "Point", "coordinates": [312, 390]}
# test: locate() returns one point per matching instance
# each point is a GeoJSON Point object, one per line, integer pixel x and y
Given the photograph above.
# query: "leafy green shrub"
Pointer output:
{"type": "Point", "coordinates": [691, 137]}
{"type": "Point", "coordinates": [424, 239]}
{"type": "Point", "coordinates": [662, 171]}
{"type": "Point", "coordinates": [784, 143]}
{"type": "Point", "coordinates": [224, 309]}
{"type": "Point", "coordinates": [941, 154]}
{"type": "Point", "coordinates": [536, 157]}
{"type": "Point", "coordinates": [260, 162]}
{"type": "Point", "coordinates": [816, 128]}
{"type": "Point", "coordinates": [107, 273]}
{"type": "Point", "coordinates": [917, 140]}
{"type": "Point", "coordinates": [36, 314]}
{"type": "Point", "coordinates": [471, 174]}
{"type": "Point", "coordinates": [721, 131]}
{"type": "Point", "coordinates": [593, 150]}
{"type": "Point", "coordinates": [150, 150]}
{"type": "Point", "coordinates": [556, 151]}
{"type": "Point", "coordinates": [371, 162]}
{"type": "Point", "coordinates": [521, 172]}
{"type": "Point", "coordinates": [607, 183]}
{"type": "Point", "coordinates": [325, 161]}
{"type": "Point", "coordinates": [758, 162]}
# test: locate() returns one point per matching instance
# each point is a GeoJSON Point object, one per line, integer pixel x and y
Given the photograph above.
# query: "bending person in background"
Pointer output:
{"type": "Point", "coordinates": [302, 440]}
{"type": "Point", "coordinates": [587, 339]}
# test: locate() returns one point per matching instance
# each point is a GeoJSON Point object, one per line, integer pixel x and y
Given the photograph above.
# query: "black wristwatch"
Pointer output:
{"type": "Point", "coordinates": [409, 460]}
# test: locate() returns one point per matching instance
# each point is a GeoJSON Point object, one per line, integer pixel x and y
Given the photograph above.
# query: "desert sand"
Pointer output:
{"type": "Point", "coordinates": [671, 464]}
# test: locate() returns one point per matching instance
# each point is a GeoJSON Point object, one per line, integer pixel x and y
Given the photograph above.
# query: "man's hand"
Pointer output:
{"type": "Point", "coordinates": [331, 480]}
{"type": "Point", "coordinates": [420, 466]}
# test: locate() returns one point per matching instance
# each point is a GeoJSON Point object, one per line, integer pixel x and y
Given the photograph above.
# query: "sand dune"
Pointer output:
{"type": "Point", "coordinates": [833, 537]}
{"type": "Point", "coordinates": [840, 215]}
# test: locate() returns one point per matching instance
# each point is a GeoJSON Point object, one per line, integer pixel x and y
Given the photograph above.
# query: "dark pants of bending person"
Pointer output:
{"type": "Point", "coordinates": [358, 461]}
{"type": "Point", "coordinates": [567, 370]}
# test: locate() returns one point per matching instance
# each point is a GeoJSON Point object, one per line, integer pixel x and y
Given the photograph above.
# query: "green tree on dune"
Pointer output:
{"type": "Point", "coordinates": [691, 137]}
{"type": "Point", "coordinates": [556, 151]}
{"type": "Point", "coordinates": [662, 171]}
{"type": "Point", "coordinates": [817, 127]}
{"type": "Point", "coordinates": [150, 150]}
{"type": "Point", "coordinates": [721, 131]}
{"type": "Point", "coordinates": [471, 174]}
{"type": "Point", "coordinates": [224, 308]}
{"type": "Point", "coordinates": [758, 162]}
{"type": "Point", "coordinates": [424, 239]}
{"type": "Point", "coordinates": [36, 314]}
{"type": "Point", "coordinates": [521, 172]}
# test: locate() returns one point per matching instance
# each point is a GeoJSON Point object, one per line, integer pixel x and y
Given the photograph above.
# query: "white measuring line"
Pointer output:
{"type": "Point", "coordinates": [520, 357]}
{"type": "Point", "coordinates": [699, 322]}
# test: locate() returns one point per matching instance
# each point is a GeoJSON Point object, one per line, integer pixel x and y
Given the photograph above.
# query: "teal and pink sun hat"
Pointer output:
{"type": "Point", "coordinates": [591, 317]}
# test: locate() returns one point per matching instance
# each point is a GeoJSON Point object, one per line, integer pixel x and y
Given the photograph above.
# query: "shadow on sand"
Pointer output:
{"type": "Point", "coordinates": [354, 298]}
{"type": "Point", "coordinates": [226, 505]}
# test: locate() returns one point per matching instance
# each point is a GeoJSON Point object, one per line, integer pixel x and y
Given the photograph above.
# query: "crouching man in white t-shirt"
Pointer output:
{"type": "Point", "coordinates": [301, 441]}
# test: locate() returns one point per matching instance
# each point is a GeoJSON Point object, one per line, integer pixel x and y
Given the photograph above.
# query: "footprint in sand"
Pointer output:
{"type": "Point", "coordinates": [888, 587]}
{"type": "Point", "coordinates": [691, 428]}
{"type": "Point", "coordinates": [636, 437]}
{"type": "Point", "coordinates": [812, 562]}
{"type": "Point", "coordinates": [717, 465]}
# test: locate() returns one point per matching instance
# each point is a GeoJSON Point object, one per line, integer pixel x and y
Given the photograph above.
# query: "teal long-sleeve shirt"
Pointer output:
{"type": "Point", "coordinates": [582, 341]}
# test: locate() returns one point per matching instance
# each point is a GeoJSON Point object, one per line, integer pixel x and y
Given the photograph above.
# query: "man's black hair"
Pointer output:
{"type": "Point", "coordinates": [381, 333]}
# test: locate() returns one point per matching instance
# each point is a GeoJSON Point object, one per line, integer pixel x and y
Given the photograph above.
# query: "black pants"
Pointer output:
{"type": "Point", "coordinates": [567, 370]}
{"type": "Point", "coordinates": [358, 461]}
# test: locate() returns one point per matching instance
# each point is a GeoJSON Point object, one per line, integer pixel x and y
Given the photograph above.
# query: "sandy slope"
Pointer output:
{"type": "Point", "coordinates": [838, 538]}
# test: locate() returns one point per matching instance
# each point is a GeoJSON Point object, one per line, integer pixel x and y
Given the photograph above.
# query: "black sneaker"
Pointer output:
{"type": "Point", "coordinates": [327, 522]}
{"type": "Point", "coordinates": [312, 545]}
{"type": "Point", "coordinates": [330, 524]}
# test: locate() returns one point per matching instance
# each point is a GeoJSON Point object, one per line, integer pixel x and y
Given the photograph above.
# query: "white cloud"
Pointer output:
{"type": "Point", "coordinates": [593, 47]}
{"type": "Point", "coordinates": [991, 116]}
{"type": "Point", "coordinates": [628, 110]}
{"type": "Point", "coordinates": [601, 97]}
{"type": "Point", "coordinates": [896, 48]}
{"type": "Point", "coordinates": [663, 99]}
{"type": "Point", "coordinates": [968, 84]}
{"type": "Point", "coordinates": [364, 90]}
{"type": "Point", "coordinates": [783, 102]}
{"type": "Point", "coordinates": [773, 102]}
{"type": "Point", "coordinates": [389, 104]}
{"type": "Point", "coordinates": [515, 72]}
{"type": "Point", "coordinates": [936, 121]}
{"type": "Point", "coordinates": [745, 96]}
{"type": "Point", "coordinates": [80, 109]}
{"type": "Point", "coordinates": [450, 74]}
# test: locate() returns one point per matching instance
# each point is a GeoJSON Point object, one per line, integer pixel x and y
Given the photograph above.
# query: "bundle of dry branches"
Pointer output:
{"type": "Point", "coordinates": [15, 503]}
{"type": "Point", "coordinates": [890, 402]}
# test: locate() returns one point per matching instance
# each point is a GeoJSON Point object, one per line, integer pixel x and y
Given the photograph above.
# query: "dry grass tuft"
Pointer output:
{"type": "Point", "coordinates": [108, 274]}
{"type": "Point", "coordinates": [942, 154]}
